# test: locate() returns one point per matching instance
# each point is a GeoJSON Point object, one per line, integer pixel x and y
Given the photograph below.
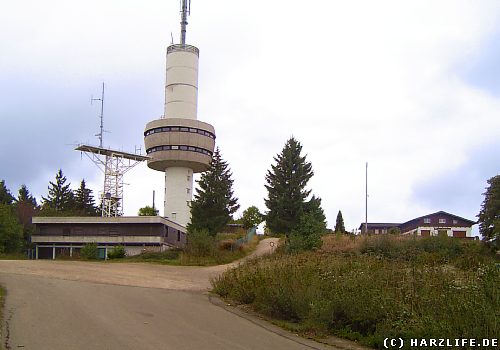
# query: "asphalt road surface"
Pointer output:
{"type": "Point", "coordinates": [75, 305]}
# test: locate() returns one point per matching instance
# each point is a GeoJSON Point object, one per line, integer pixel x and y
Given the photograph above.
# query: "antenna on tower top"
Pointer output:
{"type": "Point", "coordinates": [185, 11]}
{"type": "Point", "coordinates": [101, 116]}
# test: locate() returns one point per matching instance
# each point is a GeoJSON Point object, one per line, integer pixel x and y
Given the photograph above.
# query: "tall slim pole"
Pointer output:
{"type": "Point", "coordinates": [102, 115]}
{"type": "Point", "coordinates": [366, 199]}
{"type": "Point", "coordinates": [185, 9]}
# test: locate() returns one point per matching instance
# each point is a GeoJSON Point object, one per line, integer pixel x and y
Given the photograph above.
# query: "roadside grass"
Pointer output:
{"type": "Point", "coordinates": [368, 289]}
{"type": "Point", "coordinates": [2, 315]}
{"type": "Point", "coordinates": [13, 256]}
{"type": "Point", "coordinates": [218, 254]}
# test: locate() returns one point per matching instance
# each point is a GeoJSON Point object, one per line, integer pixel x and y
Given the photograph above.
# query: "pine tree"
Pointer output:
{"type": "Point", "coordinates": [313, 207]}
{"type": "Point", "coordinates": [214, 202]}
{"type": "Point", "coordinates": [286, 182]}
{"type": "Point", "coordinates": [5, 196]}
{"type": "Point", "coordinates": [489, 216]}
{"type": "Point", "coordinates": [339, 224]}
{"type": "Point", "coordinates": [60, 198]}
{"type": "Point", "coordinates": [25, 208]}
{"type": "Point", "coordinates": [84, 201]}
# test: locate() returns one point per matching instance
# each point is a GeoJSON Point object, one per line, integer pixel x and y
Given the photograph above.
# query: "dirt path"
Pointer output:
{"type": "Point", "coordinates": [192, 278]}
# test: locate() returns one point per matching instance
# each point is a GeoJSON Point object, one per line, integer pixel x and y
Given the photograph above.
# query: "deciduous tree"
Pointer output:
{"type": "Point", "coordinates": [251, 217]}
{"type": "Point", "coordinates": [11, 232]}
{"type": "Point", "coordinates": [147, 211]}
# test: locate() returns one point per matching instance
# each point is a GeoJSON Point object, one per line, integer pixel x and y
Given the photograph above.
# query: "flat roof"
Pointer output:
{"type": "Point", "coordinates": [106, 220]}
{"type": "Point", "coordinates": [111, 152]}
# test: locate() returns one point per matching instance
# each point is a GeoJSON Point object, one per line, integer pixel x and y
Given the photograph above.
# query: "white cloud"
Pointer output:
{"type": "Point", "coordinates": [354, 81]}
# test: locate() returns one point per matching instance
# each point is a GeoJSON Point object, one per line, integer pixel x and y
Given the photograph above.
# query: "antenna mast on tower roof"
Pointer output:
{"type": "Point", "coordinates": [185, 11]}
{"type": "Point", "coordinates": [101, 116]}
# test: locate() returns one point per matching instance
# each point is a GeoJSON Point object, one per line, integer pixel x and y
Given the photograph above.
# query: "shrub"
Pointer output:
{"type": "Point", "coordinates": [375, 295]}
{"type": "Point", "coordinates": [90, 251]}
{"type": "Point", "coordinates": [118, 252]}
{"type": "Point", "coordinates": [307, 235]}
{"type": "Point", "coordinates": [200, 243]}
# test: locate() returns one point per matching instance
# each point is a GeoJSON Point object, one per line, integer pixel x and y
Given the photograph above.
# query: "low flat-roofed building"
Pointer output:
{"type": "Point", "coordinates": [65, 236]}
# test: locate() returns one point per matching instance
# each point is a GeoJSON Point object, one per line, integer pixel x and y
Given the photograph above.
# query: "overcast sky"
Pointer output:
{"type": "Point", "coordinates": [411, 87]}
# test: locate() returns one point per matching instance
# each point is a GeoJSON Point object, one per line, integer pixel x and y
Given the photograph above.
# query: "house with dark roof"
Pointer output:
{"type": "Point", "coordinates": [438, 223]}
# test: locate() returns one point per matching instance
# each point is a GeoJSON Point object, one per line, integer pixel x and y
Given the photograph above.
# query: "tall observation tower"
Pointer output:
{"type": "Point", "coordinates": [178, 143]}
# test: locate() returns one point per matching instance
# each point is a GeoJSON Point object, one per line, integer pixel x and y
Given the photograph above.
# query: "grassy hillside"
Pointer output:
{"type": "Point", "coordinates": [368, 289]}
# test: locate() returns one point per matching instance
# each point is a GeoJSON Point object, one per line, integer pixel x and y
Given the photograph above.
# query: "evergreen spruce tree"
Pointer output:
{"type": "Point", "coordinates": [339, 224]}
{"type": "Point", "coordinates": [5, 196]}
{"type": "Point", "coordinates": [489, 216]}
{"type": "Point", "coordinates": [214, 202]}
{"type": "Point", "coordinates": [285, 183]}
{"type": "Point", "coordinates": [313, 207]}
{"type": "Point", "coordinates": [60, 199]}
{"type": "Point", "coordinates": [84, 201]}
{"type": "Point", "coordinates": [25, 207]}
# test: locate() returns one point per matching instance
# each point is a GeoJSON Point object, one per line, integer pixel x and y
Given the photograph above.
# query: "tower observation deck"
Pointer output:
{"type": "Point", "coordinates": [179, 144]}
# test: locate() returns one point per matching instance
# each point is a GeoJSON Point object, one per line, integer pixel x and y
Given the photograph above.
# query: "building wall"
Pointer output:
{"type": "Point", "coordinates": [457, 231]}
{"type": "Point", "coordinates": [108, 233]}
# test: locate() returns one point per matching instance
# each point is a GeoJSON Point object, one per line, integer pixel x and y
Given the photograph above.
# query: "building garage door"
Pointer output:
{"type": "Point", "coordinates": [425, 233]}
{"type": "Point", "coordinates": [45, 252]}
{"type": "Point", "coordinates": [459, 234]}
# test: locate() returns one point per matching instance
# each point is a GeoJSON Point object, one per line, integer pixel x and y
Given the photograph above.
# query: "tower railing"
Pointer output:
{"type": "Point", "coordinates": [183, 48]}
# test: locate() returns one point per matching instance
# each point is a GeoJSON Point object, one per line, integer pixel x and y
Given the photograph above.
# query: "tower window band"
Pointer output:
{"type": "Point", "coordinates": [178, 148]}
{"type": "Point", "coordinates": [179, 129]}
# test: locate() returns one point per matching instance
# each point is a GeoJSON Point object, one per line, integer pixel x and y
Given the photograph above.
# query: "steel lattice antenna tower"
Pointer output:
{"type": "Point", "coordinates": [178, 143]}
{"type": "Point", "coordinates": [114, 164]}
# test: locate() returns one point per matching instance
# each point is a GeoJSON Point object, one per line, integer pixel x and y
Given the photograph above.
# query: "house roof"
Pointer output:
{"type": "Point", "coordinates": [378, 225]}
{"type": "Point", "coordinates": [441, 213]}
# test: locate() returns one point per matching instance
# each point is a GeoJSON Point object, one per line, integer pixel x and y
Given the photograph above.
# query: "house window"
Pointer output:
{"type": "Point", "coordinates": [427, 220]}
{"type": "Point", "coordinates": [178, 235]}
{"type": "Point", "coordinates": [376, 231]}
{"type": "Point", "coordinates": [455, 222]}
{"type": "Point", "coordinates": [442, 221]}
{"type": "Point", "coordinates": [188, 191]}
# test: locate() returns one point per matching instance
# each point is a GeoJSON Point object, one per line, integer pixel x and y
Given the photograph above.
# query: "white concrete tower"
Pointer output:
{"type": "Point", "coordinates": [178, 143]}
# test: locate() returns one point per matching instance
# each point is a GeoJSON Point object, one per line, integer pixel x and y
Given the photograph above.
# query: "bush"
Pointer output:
{"type": "Point", "coordinates": [381, 293]}
{"type": "Point", "coordinates": [200, 243]}
{"type": "Point", "coordinates": [118, 252]}
{"type": "Point", "coordinates": [90, 251]}
{"type": "Point", "coordinates": [307, 235]}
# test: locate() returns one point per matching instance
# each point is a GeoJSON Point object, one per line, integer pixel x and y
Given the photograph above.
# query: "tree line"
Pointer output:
{"type": "Point", "coordinates": [16, 212]}
{"type": "Point", "coordinates": [292, 209]}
